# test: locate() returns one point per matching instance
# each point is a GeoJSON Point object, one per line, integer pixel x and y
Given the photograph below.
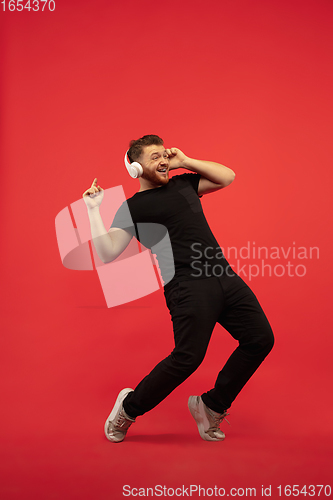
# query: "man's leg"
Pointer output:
{"type": "Point", "coordinates": [195, 307]}
{"type": "Point", "coordinates": [245, 320]}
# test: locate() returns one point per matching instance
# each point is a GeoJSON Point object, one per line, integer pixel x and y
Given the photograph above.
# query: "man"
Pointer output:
{"type": "Point", "coordinates": [196, 296]}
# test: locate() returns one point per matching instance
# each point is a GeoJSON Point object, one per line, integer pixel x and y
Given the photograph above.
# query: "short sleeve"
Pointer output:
{"type": "Point", "coordinates": [193, 179]}
{"type": "Point", "coordinates": [123, 219]}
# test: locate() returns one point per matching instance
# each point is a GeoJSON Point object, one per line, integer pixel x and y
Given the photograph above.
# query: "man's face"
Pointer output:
{"type": "Point", "coordinates": [155, 164]}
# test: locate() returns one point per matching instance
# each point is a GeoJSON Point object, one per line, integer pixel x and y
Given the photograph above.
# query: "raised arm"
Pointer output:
{"type": "Point", "coordinates": [214, 176]}
{"type": "Point", "coordinates": [109, 244]}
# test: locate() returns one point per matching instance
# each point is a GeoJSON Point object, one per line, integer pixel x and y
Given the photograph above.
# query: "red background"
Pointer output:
{"type": "Point", "coordinates": [245, 83]}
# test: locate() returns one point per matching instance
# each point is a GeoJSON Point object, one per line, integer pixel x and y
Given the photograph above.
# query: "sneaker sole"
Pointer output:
{"type": "Point", "coordinates": [200, 420]}
{"type": "Point", "coordinates": [119, 400]}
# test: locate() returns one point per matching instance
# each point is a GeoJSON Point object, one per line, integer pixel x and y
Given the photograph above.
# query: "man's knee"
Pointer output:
{"type": "Point", "coordinates": [187, 362]}
{"type": "Point", "coordinates": [260, 343]}
{"type": "Point", "coordinates": [268, 339]}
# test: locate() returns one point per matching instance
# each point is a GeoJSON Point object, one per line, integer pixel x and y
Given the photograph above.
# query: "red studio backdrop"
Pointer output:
{"type": "Point", "coordinates": [244, 83]}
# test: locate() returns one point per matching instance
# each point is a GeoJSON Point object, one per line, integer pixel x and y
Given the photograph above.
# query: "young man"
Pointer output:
{"type": "Point", "coordinates": [202, 290]}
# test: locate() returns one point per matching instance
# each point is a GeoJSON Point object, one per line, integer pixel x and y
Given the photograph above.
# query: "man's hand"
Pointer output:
{"type": "Point", "coordinates": [94, 195]}
{"type": "Point", "coordinates": [214, 176]}
{"type": "Point", "coordinates": [177, 159]}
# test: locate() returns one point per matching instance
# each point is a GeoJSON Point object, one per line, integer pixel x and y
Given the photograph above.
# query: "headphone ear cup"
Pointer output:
{"type": "Point", "coordinates": [134, 169]}
{"type": "Point", "coordinates": [137, 168]}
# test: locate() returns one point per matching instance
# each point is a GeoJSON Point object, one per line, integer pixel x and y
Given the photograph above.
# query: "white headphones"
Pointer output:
{"type": "Point", "coordinates": [134, 169]}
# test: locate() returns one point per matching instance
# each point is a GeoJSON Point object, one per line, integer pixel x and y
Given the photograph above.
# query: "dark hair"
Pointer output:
{"type": "Point", "coordinates": [136, 146]}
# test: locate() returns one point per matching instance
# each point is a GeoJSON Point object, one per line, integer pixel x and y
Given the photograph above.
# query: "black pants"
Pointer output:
{"type": "Point", "coordinates": [195, 307]}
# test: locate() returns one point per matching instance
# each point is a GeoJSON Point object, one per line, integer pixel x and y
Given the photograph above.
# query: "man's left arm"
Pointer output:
{"type": "Point", "coordinates": [214, 176]}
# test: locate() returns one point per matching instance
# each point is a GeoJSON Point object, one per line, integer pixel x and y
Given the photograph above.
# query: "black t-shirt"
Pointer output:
{"type": "Point", "coordinates": [188, 242]}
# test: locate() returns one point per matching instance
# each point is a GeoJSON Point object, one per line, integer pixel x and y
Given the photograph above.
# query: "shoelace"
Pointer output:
{"type": "Point", "coordinates": [122, 422]}
{"type": "Point", "coordinates": [222, 417]}
{"type": "Point", "coordinates": [218, 419]}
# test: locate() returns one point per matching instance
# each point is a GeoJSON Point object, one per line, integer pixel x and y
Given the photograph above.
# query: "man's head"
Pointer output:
{"type": "Point", "coordinates": [149, 151]}
{"type": "Point", "coordinates": [137, 146]}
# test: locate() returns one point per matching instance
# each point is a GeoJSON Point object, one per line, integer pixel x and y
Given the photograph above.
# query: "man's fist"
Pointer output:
{"type": "Point", "coordinates": [94, 195]}
{"type": "Point", "coordinates": [177, 159]}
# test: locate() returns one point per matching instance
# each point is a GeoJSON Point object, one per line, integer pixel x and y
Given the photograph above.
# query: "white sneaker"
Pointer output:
{"type": "Point", "coordinates": [208, 421]}
{"type": "Point", "coordinates": [118, 421]}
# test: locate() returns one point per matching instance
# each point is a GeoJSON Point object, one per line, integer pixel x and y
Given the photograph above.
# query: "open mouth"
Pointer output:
{"type": "Point", "coordinates": [162, 170]}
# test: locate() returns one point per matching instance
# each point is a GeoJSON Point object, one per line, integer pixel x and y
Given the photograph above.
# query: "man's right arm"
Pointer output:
{"type": "Point", "coordinates": [108, 244]}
